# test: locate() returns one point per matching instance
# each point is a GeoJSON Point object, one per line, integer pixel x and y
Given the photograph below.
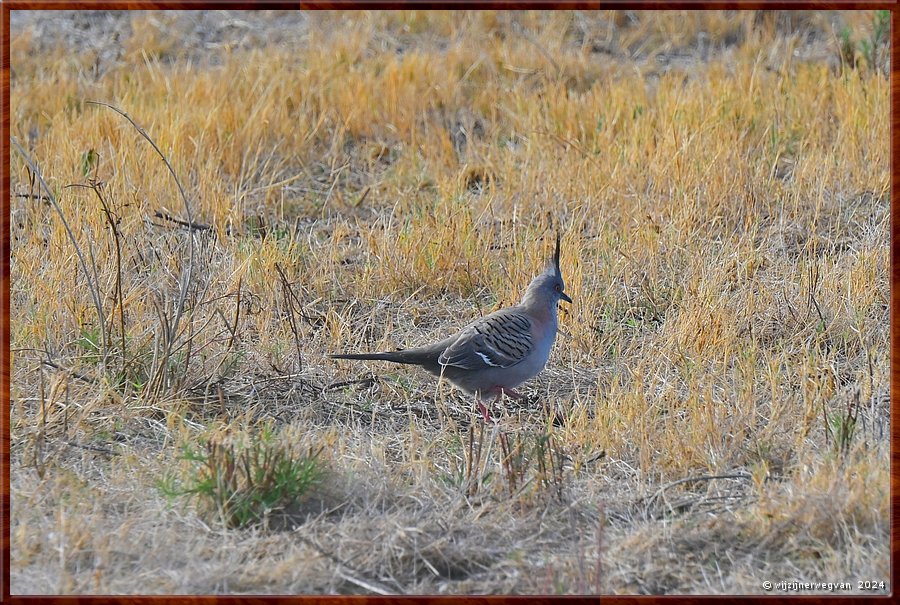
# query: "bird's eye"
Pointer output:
{"type": "Point", "coordinates": [557, 288]}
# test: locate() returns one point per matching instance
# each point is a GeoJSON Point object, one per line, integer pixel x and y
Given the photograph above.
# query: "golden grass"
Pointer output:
{"type": "Point", "coordinates": [724, 216]}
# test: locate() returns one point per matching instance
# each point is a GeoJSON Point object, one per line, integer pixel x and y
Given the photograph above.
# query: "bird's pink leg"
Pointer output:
{"type": "Point", "coordinates": [484, 411]}
{"type": "Point", "coordinates": [511, 393]}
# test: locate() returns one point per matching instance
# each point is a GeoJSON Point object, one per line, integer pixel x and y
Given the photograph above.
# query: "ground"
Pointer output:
{"type": "Point", "coordinates": [715, 412]}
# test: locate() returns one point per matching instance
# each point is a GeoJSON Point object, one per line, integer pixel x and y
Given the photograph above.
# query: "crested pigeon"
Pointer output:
{"type": "Point", "coordinates": [498, 352]}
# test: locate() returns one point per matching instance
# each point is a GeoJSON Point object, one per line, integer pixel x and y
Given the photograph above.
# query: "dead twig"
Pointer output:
{"type": "Point", "coordinates": [74, 374]}
{"type": "Point", "coordinates": [522, 31]}
{"type": "Point", "coordinates": [33, 196]}
{"type": "Point", "coordinates": [187, 224]}
{"type": "Point", "coordinates": [362, 197]}
{"type": "Point", "coordinates": [290, 298]}
{"type": "Point", "coordinates": [813, 286]}
{"type": "Point", "coordinates": [93, 448]}
{"type": "Point", "coordinates": [660, 493]}
{"type": "Point", "coordinates": [357, 576]}
{"type": "Point", "coordinates": [369, 585]}
{"type": "Point", "coordinates": [366, 382]}
{"type": "Point", "coordinates": [237, 315]}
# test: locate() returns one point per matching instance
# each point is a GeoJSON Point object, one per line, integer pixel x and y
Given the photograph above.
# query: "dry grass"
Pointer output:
{"type": "Point", "coordinates": [721, 180]}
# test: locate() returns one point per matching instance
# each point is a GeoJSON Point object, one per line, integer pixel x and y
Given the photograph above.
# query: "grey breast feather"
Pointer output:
{"type": "Point", "coordinates": [499, 340]}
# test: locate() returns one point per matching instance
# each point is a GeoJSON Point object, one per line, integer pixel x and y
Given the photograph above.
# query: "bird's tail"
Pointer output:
{"type": "Point", "coordinates": [409, 356]}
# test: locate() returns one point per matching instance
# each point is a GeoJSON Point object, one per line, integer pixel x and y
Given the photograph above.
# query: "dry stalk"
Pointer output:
{"type": "Point", "coordinates": [506, 462]}
{"type": "Point", "coordinates": [172, 327]}
{"type": "Point", "coordinates": [232, 330]}
{"type": "Point", "coordinates": [42, 427]}
{"type": "Point", "coordinates": [92, 285]}
{"type": "Point", "coordinates": [598, 576]}
{"type": "Point", "coordinates": [474, 471]}
{"type": "Point", "coordinates": [113, 223]}
{"type": "Point", "coordinates": [290, 298]}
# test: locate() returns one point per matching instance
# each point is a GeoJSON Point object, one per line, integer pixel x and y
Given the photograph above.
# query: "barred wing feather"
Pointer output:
{"type": "Point", "coordinates": [499, 340]}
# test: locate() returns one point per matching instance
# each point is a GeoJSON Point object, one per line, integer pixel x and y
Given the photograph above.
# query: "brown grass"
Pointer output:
{"type": "Point", "coordinates": [721, 181]}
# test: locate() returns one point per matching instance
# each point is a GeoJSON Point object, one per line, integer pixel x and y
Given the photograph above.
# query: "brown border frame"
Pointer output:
{"type": "Point", "coordinates": [5, 369]}
{"type": "Point", "coordinates": [449, 4]}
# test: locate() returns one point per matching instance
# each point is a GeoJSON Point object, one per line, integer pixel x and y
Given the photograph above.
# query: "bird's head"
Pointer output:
{"type": "Point", "coordinates": [548, 287]}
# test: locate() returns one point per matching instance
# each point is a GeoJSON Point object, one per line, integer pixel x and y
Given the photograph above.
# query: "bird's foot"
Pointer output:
{"type": "Point", "coordinates": [512, 393]}
{"type": "Point", "coordinates": [484, 413]}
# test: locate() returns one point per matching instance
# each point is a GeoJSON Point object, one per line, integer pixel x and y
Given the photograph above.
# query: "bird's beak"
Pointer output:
{"type": "Point", "coordinates": [565, 297]}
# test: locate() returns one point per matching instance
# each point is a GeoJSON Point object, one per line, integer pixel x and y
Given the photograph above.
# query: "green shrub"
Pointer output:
{"type": "Point", "coordinates": [240, 482]}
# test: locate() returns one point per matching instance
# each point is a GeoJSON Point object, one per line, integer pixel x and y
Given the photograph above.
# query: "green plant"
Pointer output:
{"type": "Point", "coordinates": [874, 50]}
{"type": "Point", "coordinates": [89, 342]}
{"type": "Point", "coordinates": [848, 53]}
{"type": "Point", "coordinates": [877, 43]}
{"type": "Point", "coordinates": [240, 483]}
{"type": "Point", "coordinates": [840, 427]}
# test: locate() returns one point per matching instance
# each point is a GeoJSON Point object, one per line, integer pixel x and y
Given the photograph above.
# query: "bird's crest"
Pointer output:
{"type": "Point", "coordinates": [554, 264]}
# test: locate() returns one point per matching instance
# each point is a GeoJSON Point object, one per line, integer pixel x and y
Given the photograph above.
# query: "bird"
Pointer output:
{"type": "Point", "coordinates": [497, 352]}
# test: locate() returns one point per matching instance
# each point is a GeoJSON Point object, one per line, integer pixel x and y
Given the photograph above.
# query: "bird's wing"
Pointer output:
{"type": "Point", "coordinates": [500, 340]}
